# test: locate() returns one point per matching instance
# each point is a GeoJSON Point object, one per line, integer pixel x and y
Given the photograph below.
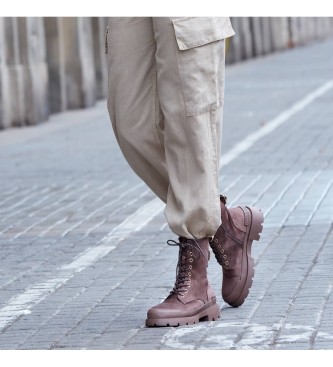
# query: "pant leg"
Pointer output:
{"type": "Point", "coordinates": [190, 64]}
{"type": "Point", "coordinates": [181, 139]}
{"type": "Point", "coordinates": [133, 102]}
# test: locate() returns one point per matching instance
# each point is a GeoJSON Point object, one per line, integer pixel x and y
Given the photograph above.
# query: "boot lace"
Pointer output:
{"type": "Point", "coordinates": [188, 250]}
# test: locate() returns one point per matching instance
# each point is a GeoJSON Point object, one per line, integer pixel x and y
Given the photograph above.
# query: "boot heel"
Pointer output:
{"type": "Point", "coordinates": [257, 223]}
{"type": "Point", "coordinates": [212, 314]}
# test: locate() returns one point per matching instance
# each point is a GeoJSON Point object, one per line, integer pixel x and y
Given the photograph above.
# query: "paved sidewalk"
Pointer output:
{"type": "Point", "coordinates": [77, 272]}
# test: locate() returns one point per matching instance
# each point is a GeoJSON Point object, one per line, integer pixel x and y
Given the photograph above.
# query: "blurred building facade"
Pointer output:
{"type": "Point", "coordinates": [53, 64]}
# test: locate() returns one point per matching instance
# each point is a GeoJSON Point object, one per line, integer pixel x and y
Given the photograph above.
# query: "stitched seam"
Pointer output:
{"type": "Point", "coordinates": [178, 74]}
{"type": "Point", "coordinates": [182, 20]}
{"type": "Point", "coordinates": [156, 134]}
{"type": "Point", "coordinates": [123, 24]}
{"type": "Point", "coordinates": [203, 42]}
{"type": "Point", "coordinates": [209, 222]}
{"type": "Point", "coordinates": [214, 171]}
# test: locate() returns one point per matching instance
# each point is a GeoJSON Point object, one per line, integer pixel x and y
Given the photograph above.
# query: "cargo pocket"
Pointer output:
{"type": "Point", "coordinates": [201, 59]}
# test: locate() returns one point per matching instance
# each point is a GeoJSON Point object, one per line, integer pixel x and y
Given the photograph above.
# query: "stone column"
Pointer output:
{"type": "Point", "coordinates": [266, 35]}
{"type": "Point", "coordinates": [99, 29]}
{"type": "Point", "coordinates": [294, 32]}
{"type": "Point", "coordinates": [304, 36]}
{"type": "Point", "coordinates": [311, 21]}
{"type": "Point", "coordinates": [56, 64]}
{"type": "Point", "coordinates": [246, 35]}
{"type": "Point", "coordinates": [5, 93]}
{"type": "Point", "coordinates": [257, 36]}
{"type": "Point", "coordinates": [32, 48]}
{"type": "Point", "coordinates": [280, 33]}
{"type": "Point", "coordinates": [323, 27]}
{"type": "Point", "coordinates": [14, 89]}
{"type": "Point", "coordinates": [80, 77]}
{"type": "Point", "coordinates": [234, 52]}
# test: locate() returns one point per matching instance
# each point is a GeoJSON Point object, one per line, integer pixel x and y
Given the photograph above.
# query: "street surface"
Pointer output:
{"type": "Point", "coordinates": [83, 251]}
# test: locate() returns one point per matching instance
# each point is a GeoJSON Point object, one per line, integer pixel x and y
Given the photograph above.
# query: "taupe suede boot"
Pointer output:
{"type": "Point", "coordinates": [192, 298]}
{"type": "Point", "coordinates": [232, 248]}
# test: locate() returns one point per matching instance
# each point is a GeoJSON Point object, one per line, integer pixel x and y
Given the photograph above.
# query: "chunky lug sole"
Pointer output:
{"type": "Point", "coordinates": [209, 312]}
{"type": "Point", "coordinates": [241, 291]}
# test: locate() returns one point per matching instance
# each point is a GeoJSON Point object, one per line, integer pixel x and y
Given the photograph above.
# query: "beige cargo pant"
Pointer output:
{"type": "Point", "coordinates": [165, 100]}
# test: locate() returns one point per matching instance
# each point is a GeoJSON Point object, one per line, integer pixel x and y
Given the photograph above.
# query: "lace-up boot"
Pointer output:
{"type": "Point", "coordinates": [232, 248]}
{"type": "Point", "coordinates": [192, 298]}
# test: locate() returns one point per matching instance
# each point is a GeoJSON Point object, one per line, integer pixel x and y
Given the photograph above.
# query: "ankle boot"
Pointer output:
{"type": "Point", "coordinates": [192, 298]}
{"type": "Point", "coordinates": [232, 248]}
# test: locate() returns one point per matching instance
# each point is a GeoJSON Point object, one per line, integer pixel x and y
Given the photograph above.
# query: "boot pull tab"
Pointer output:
{"type": "Point", "coordinates": [223, 199]}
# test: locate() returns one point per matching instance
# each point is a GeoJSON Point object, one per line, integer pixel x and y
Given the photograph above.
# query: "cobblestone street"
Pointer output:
{"type": "Point", "coordinates": [83, 251]}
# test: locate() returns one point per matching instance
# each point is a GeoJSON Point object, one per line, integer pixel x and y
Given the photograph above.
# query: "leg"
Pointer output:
{"type": "Point", "coordinates": [138, 125]}
{"type": "Point", "coordinates": [133, 102]}
{"type": "Point", "coordinates": [232, 246]}
{"type": "Point", "coordinates": [191, 87]}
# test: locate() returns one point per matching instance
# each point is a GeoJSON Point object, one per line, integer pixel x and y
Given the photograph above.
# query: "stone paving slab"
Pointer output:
{"type": "Point", "coordinates": [75, 273]}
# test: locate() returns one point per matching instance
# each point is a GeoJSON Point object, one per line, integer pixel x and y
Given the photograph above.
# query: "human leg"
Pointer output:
{"type": "Point", "coordinates": [133, 101]}
{"type": "Point", "coordinates": [190, 63]}
{"type": "Point", "coordinates": [191, 86]}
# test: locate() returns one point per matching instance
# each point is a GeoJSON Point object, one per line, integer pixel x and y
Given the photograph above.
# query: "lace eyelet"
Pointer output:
{"type": "Point", "coordinates": [189, 274]}
{"type": "Point", "coordinates": [190, 267]}
{"type": "Point", "coordinates": [225, 256]}
{"type": "Point", "coordinates": [216, 240]}
{"type": "Point", "coordinates": [191, 253]}
{"type": "Point", "coordinates": [222, 250]}
{"type": "Point", "coordinates": [191, 260]}
{"type": "Point", "coordinates": [227, 263]}
{"type": "Point", "coordinates": [219, 246]}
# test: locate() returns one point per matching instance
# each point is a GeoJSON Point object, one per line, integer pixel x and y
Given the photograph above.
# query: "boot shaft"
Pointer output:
{"type": "Point", "coordinates": [191, 281]}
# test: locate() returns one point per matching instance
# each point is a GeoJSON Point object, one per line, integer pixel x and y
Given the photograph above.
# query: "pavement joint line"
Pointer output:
{"type": "Point", "coordinates": [42, 234]}
{"type": "Point", "coordinates": [283, 319]}
{"type": "Point", "coordinates": [7, 196]}
{"type": "Point", "coordinates": [91, 214]}
{"type": "Point", "coordinates": [320, 315]}
{"type": "Point", "coordinates": [21, 304]}
{"type": "Point", "coordinates": [31, 214]}
{"type": "Point", "coordinates": [327, 189]}
{"type": "Point", "coordinates": [133, 188]}
{"type": "Point", "coordinates": [48, 229]}
{"type": "Point", "coordinates": [258, 303]}
{"type": "Point", "coordinates": [262, 332]}
{"type": "Point", "coordinates": [265, 189]}
{"type": "Point", "coordinates": [26, 198]}
{"type": "Point", "coordinates": [233, 183]}
{"type": "Point", "coordinates": [282, 193]}
{"type": "Point", "coordinates": [69, 194]}
{"type": "Point", "coordinates": [273, 124]}
{"type": "Point", "coordinates": [247, 187]}
{"type": "Point", "coordinates": [301, 196]}
{"type": "Point", "coordinates": [130, 301]}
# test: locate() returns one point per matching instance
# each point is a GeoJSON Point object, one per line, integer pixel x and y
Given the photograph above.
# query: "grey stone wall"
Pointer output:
{"type": "Point", "coordinates": [257, 36]}
{"type": "Point", "coordinates": [52, 64]}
